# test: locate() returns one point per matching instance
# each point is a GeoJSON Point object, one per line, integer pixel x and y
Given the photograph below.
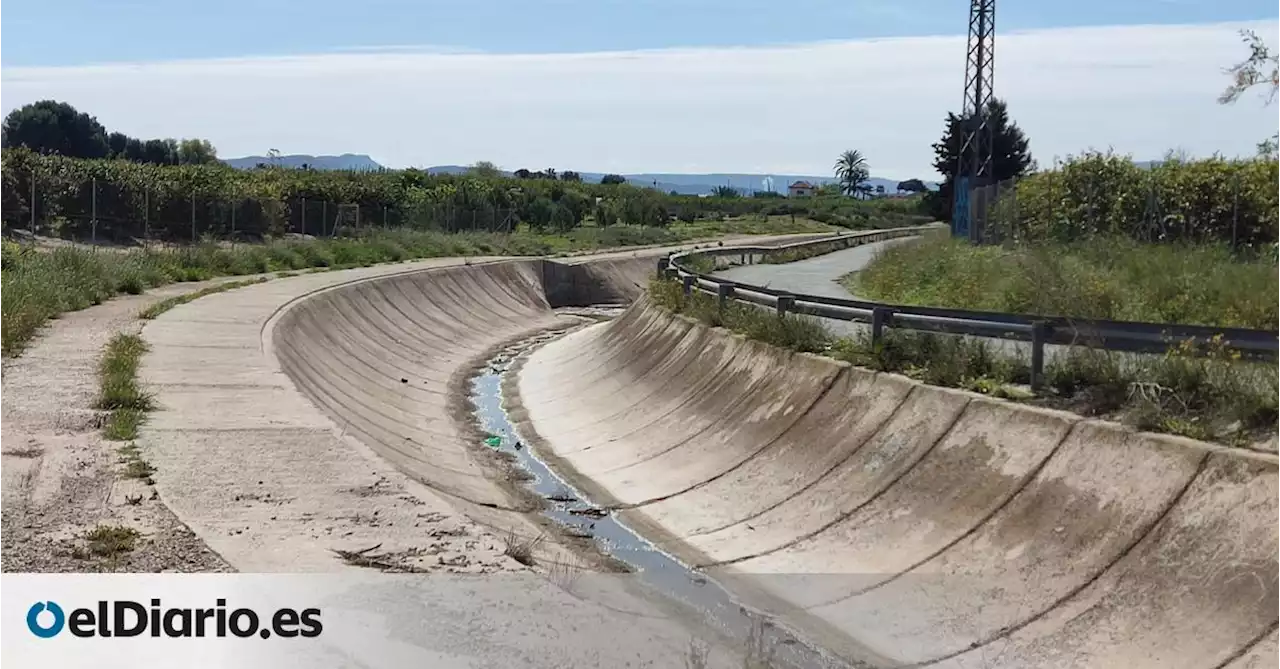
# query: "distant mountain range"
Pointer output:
{"type": "Point", "coordinates": [703, 184]}
{"type": "Point", "coordinates": [685, 184]}
{"type": "Point", "coordinates": [346, 161]}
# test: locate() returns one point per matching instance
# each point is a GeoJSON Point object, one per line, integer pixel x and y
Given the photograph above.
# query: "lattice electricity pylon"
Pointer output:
{"type": "Point", "coordinates": [974, 165]}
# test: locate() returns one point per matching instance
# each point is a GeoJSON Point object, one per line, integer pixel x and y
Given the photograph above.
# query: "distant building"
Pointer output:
{"type": "Point", "coordinates": [802, 189]}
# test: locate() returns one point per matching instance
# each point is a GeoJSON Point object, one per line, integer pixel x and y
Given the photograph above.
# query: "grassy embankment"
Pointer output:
{"type": "Point", "coordinates": [39, 285]}
{"type": "Point", "coordinates": [1104, 277]}
{"type": "Point", "coordinates": [1215, 398]}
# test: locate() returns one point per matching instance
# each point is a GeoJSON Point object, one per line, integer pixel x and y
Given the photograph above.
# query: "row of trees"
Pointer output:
{"type": "Point", "coordinates": [51, 127]}
{"type": "Point", "coordinates": [132, 194]}
{"type": "Point", "coordinates": [487, 170]}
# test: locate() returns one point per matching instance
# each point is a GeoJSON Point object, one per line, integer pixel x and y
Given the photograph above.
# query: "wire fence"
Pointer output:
{"type": "Point", "coordinates": [100, 212]}
{"type": "Point", "coordinates": [1228, 209]}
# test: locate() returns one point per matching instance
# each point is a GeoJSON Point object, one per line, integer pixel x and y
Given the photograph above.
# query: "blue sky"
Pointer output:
{"type": "Point", "coordinates": [76, 32]}
{"type": "Point", "coordinates": [644, 86]}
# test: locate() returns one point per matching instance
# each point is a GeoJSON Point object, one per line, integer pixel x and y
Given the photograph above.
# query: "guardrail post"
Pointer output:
{"type": "Point", "coordinates": [724, 291]}
{"type": "Point", "coordinates": [786, 303]}
{"type": "Point", "coordinates": [880, 318]}
{"type": "Point", "coordinates": [688, 284]}
{"type": "Point", "coordinates": [663, 263]}
{"type": "Point", "coordinates": [1039, 332]}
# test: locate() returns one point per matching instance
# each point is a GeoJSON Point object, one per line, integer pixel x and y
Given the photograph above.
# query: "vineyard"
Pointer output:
{"type": "Point", "coordinates": [1192, 201]}
{"type": "Point", "coordinates": [122, 201]}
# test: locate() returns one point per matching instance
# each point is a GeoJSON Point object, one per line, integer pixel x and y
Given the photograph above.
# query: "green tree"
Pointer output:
{"type": "Point", "coordinates": [49, 126]}
{"type": "Point", "coordinates": [160, 152]}
{"type": "Point", "coordinates": [570, 175]}
{"type": "Point", "coordinates": [195, 152]}
{"type": "Point", "coordinates": [134, 150]}
{"type": "Point", "coordinates": [118, 145]}
{"type": "Point", "coordinates": [562, 219]}
{"type": "Point", "coordinates": [912, 186]}
{"type": "Point", "coordinates": [852, 172]}
{"type": "Point", "coordinates": [613, 179]}
{"type": "Point", "coordinates": [605, 214]}
{"type": "Point", "coordinates": [484, 169]}
{"type": "Point", "coordinates": [1011, 154]}
{"type": "Point", "coordinates": [1262, 67]}
{"type": "Point", "coordinates": [540, 212]}
{"type": "Point", "coordinates": [576, 203]}
{"type": "Point", "coordinates": [725, 191]}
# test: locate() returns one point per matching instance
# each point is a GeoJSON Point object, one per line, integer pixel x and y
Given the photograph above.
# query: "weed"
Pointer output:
{"type": "Point", "coordinates": [1211, 394]}
{"type": "Point", "coordinates": [39, 285]}
{"type": "Point", "coordinates": [111, 540]}
{"type": "Point", "coordinates": [122, 424]}
{"type": "Point", "coordinates": [138, 469]}
{"type": "Point", "coordinates": [565, 574]}
{"type": "Point", "coordinates": [521, 550]}
{"type": "Point", "coordinates": [117, 375]}
{"type": "Point", "coordinates": [162, 306]}
{"type": "Point", "coordinates": [1101, 277]}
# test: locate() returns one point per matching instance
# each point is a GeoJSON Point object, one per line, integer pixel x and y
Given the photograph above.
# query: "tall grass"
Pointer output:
{"type": "Point", "coordinates": [39, 285]}
{"type": "Point", "coordinates": [1216, 397]}
{"type": "Point", "coordinates": [118, 388]}
{"type": "Point", "coordinates": [1110, 278]}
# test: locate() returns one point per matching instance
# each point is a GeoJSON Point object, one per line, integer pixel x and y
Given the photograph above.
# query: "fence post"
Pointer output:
{"type": "Point", "coordinates": [302, 219]}
{"type": "Point", "coordinates": [193, 218]}
{"type": "Point", "coordinates": [1039, 332]}
{"type": "Point", "coordinates": [233, 221]}
{"type": "Point", "coordinates": [33, 206]}
{"type": "Point", "coordinates": [384, 217]}
{"type": "Point", "coordinates": [93, 216]}
{"type": "Point", "coordinates": [324, 216]}
{"type": "Point", "coordinates": [724, 291]}
{"type": "Point", "coordinates": [786, 303]}
{"type": "Point", "coordinates": [687, 284]}
{"type": "Point", "coordinates": [880, 317]}
{"type": "Point", "coordinates": [146, 215]}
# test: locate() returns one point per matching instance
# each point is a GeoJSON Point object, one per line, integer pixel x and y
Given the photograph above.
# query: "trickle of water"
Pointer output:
{"type": "Point", "coordinates": [571, 509]}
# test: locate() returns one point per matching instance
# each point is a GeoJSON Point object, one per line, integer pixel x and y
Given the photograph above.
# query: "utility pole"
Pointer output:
{"type": "Point", "coordinates": [974, 168]}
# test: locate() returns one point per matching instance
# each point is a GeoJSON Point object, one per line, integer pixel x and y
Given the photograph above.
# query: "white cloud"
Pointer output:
{"type": "Point", "coordinates": [785, 109]}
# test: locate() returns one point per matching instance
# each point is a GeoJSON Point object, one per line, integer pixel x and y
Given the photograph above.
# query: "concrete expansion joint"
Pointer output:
{"type": "Point", "coordinates": [827, 386]}
{"type": "Point", "coordinates": [1173, 501]}
{"type": "Point", "coordinates": [872, 498]}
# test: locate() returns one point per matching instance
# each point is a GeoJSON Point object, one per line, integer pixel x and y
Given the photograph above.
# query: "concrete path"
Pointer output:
{"type": "Point", "coordinates": [812, 276]}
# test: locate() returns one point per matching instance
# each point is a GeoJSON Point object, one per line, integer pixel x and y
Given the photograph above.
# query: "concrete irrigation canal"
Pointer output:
{"type": "Point", "coordinates": [758, 498]}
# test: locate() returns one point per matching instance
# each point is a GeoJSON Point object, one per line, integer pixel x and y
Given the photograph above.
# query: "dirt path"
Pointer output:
{"type": "Point", "coordinates": [60, 478]}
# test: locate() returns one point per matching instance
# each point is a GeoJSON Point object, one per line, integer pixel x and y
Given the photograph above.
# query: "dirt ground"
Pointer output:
{"type": "Point", "coordinates": [61, 479]}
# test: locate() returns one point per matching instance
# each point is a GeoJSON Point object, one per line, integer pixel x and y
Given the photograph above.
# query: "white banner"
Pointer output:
{"type": "Point", "coordinates": [354, 619]}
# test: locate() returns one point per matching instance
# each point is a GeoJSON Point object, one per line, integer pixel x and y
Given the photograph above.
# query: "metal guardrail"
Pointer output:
{"type": "Point", "coordinates": [1127, 336]}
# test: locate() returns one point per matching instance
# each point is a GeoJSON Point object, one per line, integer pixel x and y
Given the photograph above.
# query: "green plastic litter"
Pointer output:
{"type": "Point", "coordinates": [493, 441]}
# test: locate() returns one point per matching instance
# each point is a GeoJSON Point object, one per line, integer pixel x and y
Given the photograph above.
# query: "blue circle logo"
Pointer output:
{"type": "Point", "coordinates": [33, 619]}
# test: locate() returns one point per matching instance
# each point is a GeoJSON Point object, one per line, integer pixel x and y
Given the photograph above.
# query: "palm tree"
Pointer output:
{"type": "Point", "coordinates": [851, 171]}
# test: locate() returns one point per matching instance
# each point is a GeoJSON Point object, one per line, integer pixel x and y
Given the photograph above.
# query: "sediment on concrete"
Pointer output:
{"type": "Point", "coordinates": [389, 360]}
{"type": "Point", "coordinates": [912, 524]}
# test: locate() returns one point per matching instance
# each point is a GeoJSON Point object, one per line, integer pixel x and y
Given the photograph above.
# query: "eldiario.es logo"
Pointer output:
{"type": "Point", "coordinates": [124, 618]}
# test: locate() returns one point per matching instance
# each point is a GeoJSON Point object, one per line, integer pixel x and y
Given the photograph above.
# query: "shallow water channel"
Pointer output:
{"type": "Point", "coordinates": [655, 568]}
